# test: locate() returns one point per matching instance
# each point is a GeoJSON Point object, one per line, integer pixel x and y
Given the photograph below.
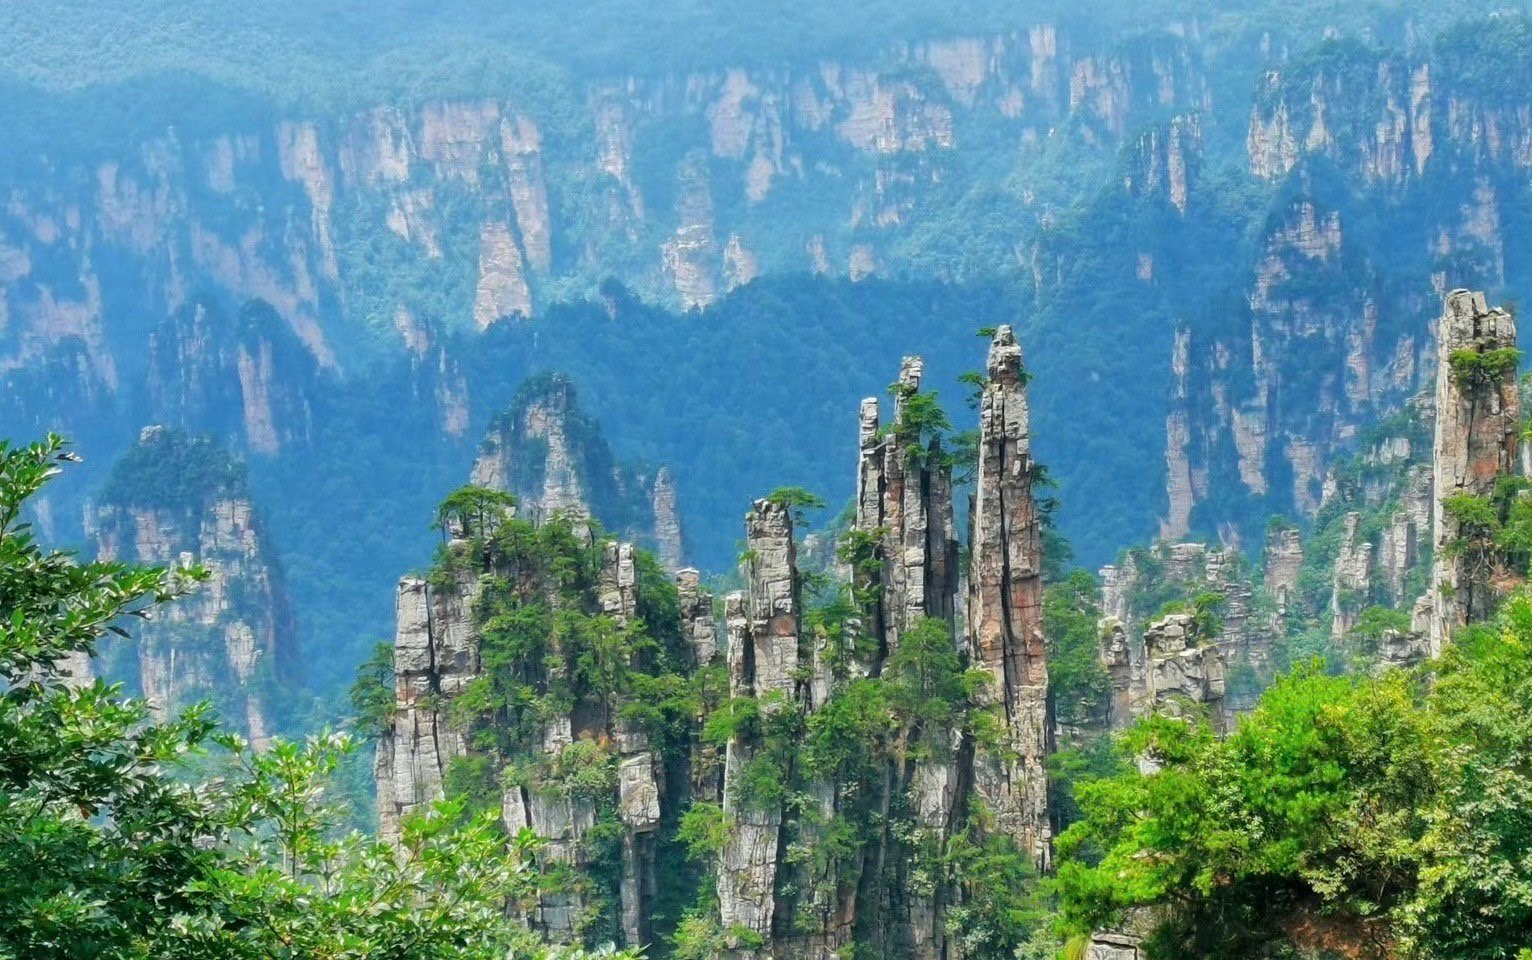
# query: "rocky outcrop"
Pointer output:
{"type": "Point", "coordinates": [904, 502]}
{"type": "Point", "coordinates": [553, 457]}
{"type": "Point", "coordinates": [1283, 563]}
{"type": "Point", "coordinates": [436, 655]}
{"type": "Point", "coordinates": [1187, 675]}
{"type": "Point", "coordinates": [1124, 669]}
{"type": "Point", "coordinates": [578, 759]}
{"type": "Point", "coordinates": [904, 494]}
{"type": "Point", "coordinates": [1405, 542]}
{"type": "Point", "coordinates": [1477, 437]}
{"type": "Point", "coordinates": [667, 520]}
{"type": "Point", "coordinates": [763, 640]}
{"type": "Point", "coordinates": [174, 500]}
{"type": "Point", "coordinates": [700, 629]}
{"type": "Point", "coordinates": [1005, 629]}
{"type": "Point", "coordinates": [1192, 575]}
{"type": "Point", "coordinates": [638, 770]}
{"type": "Point", "coordinates": [248, 376]}
{"type": "Point", "coordinates": [1352, 577]}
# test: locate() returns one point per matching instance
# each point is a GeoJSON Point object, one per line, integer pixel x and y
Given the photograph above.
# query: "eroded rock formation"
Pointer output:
{"type": "Point", "coordinates": [1187, 675]}
{"type": "Point", "coordinates": [1477, 436]}
{"type": "Point", "coordinates": [1005, 631]}
{"type": "Point", "coordinates": [175, 500]}
{"type": "Point", "coordinates": [553, 457]}
{"type": "Point", "coordinates": [763, 624]}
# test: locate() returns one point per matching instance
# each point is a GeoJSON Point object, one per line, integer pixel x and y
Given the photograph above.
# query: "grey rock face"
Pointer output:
{"type": "Point", "coordinates": [762, 628]}
{"type": "Point", "coordinates": [904, 498]}
{"type": "Point", "coordinates": [435, 657]}
{"type": "Point", "coordinates": [1005, 629]}
{"type": "Point", "coordinates": [1186, 673]}
{"type": "Point", "coordinates": [1113, 946]}
{"type": "Point", "coordinates": [1352, 577]}
{"type": "Point", "coordinates": [234, 628]}
{"type": "Point", "coordinates": [1477, 439]}
{"type": "Point", "coordinates": [1283, 563]}
{"type": "Point", "coordinates": [552, 456]}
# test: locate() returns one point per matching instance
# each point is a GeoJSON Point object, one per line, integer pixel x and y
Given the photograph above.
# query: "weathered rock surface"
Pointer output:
{"type": "Point", "coordinates": [763, 625]}
{"type": "Point", "coordinates": [234, 635]}
{"type": "Point", "coordinates": [904, 499]}
{"type": "Point", "coordinates": [1477, 436]}
{"type": "Point", "coordinates": [553, 457]}
{"type": "Point", "coordinates": [1352, 577]}
{"type": "Point", "coordinates": [1187, 676]}
{"type": "Point", "coordinates": [1005, 629]}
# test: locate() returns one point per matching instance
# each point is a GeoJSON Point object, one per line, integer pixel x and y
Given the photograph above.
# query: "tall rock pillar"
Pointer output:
{"type": "Point", "coordinates": [1477, 426]}
{"type": "Point", "coordinates": [1005, 607]}
{"type": "Point", "coordinates": [904, 498]}
{"type": "Point", "coordinates": [762, 625]}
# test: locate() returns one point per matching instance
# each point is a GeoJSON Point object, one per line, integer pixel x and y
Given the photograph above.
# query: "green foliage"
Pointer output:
{"type": "Point", "coordinates": [173, 470]}
{"type": "Point", "coordinates": [703, 830]}
{"type": "Point", "coordinates": [1374, 801]}
{"type": "Point", "coordinates": [797, 501]}
{"type": "Point", "coordinates": [372, 693]}
{"type": "Point", "coordinates": [1078, 681]}
{"type": "Point", "coordinates": [111, 846]}
{"type": "Point", "coordinates": [1493, 533]}
{"type": "Point", "coordinates": [1003, 908]}
{"type": "Point", "coordinates": [474, 510]}
{"type": "Point", "coordinates": [1475, 368]}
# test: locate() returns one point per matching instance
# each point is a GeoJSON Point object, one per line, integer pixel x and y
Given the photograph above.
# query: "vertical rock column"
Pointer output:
{"type": "Point", "coordinates": [697, 623]}
{"type": "Point", "coordinates": [1186, 670]}
{"type": "Point", "coordinates": [1116, 656]}
{"type": "Point", "coordinates": [1352, 577]}
{"type": "Point", "coordinates": [435, 657]}
{"type": "Point", "coordinates": [1005, 607]}
{"type": "Point", "coordinates": [1283, 563]}
{"type": "Point", "coordinates": [1477, 414]}
{"type": "Point", "coordinates": [762, 625]}
{"type": "Point", "coordinates": [906, 494]}
{"type": "Point", "coordinates": [638, 784]}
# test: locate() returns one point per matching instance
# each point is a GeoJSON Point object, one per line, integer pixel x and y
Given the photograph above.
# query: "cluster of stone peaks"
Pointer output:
{"type": "Point", "coordinates": [771, 666]}
{"type": "Point", "coordinates": [766, 899]}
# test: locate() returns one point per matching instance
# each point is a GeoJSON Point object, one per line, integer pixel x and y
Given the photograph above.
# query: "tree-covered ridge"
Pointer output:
{"type": "Point", "coordinates": [172, 470]}
{"type": "Point", "coordinates": [264, 49]}
{"type": "Point", "coordinates": [117, 842]}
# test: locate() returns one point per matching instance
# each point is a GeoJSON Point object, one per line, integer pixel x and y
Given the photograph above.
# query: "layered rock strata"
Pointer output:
{"type": "Point", "coordinates": [438, 651]}
{"type": "Point", "coordinates": [234, 635]}
{"type": "Point", "coordinates": [1477, 435]}
{"type": "Point", "coordinates": [904, 504]}
{"type": "Point", "coordinates": [762, 625]}
{"type": "Point", "coordinates": [1187, 676]}
{"type": "Point", "coordinates": [1005, 629]}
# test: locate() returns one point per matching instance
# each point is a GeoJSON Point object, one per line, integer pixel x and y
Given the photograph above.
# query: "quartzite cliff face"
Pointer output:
{"type": "Point", "coordinates": [1005, 586]}
{"type": "Point", "coordinates": [180, 501]}
{"type": "Point", "coordinates": [553, 458]}
{"type": "Point", "coordinates": [1478, 430]}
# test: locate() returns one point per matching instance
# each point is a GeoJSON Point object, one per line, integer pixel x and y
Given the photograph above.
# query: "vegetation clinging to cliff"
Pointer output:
{"type": "Point", "coordinates": [1398, 809]}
